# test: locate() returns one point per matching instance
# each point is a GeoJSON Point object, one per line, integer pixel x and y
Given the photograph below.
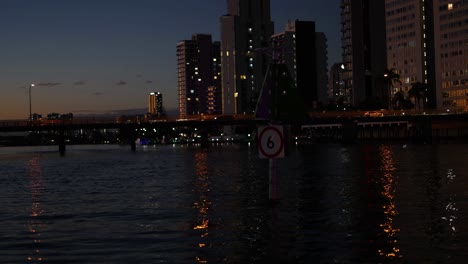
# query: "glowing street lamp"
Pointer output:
{"type": "Point", "coordinates": [30, 114]}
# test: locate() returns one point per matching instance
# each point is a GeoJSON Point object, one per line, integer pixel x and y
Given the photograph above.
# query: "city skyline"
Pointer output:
{"type": "Point", "coordinates": [93, 57]}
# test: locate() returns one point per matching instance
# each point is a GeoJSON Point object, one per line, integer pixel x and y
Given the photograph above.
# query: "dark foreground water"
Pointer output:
{"type": "Point", "coordinates": [362, 203]}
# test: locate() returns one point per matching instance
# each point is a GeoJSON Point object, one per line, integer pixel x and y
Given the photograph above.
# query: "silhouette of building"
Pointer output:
{"type": "Point", "coordinates": [364, 52]}
{"type": "Point", "coordinates": [199, 77]}
{"type": "Point", "coordinates": [321, 47]}
{"type": "Point", "coordinates": [337, 93]}
{"type": "Point", "coordinates": [155, 104]}
{"type": "Point", "coordinates": [304, 52]}
{"type": "Point", "coordinates": [245, 30]}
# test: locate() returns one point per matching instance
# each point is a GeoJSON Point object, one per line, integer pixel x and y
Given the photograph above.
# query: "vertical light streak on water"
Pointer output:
{"type": "Point", "coordinates": [451, 208]}
{"type": "Point", "coordinates": [389, 181]}
{"type": "Point", "coordinates": [35, 225]}
{"type": "Point", "coordinates": [202, 188]}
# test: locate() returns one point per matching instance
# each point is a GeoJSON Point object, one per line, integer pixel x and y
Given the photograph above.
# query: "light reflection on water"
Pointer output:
{"type": "Point", "coordinates": [178, 204]}
{"type": "Point", "coordinates": [451, 207]}
{"type": "Point", "coordinates": [202, 188]}
{"type": "Point", "coordinates": [389, 182]}
{"type": "Point", "coordinates": [35, 224]}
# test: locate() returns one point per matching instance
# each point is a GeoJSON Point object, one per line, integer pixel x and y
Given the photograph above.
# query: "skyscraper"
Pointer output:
{"type": "Point", "coordinates": [337, 93]}
{"type": "Point", "coordinates": [155, 104]}
{"type": "Point", "coordinates": [410, 45]}
{"type": "Point", "coordinates": [303, 51]}
{"type": "Point", "coordinates": [426, 43]}
{"type": "Point", "coordinates": [321, 60]}
{"type": "Point", "coordinates": [199, 77]}
{"type": "Point", "coordinates": [364, 52]}
{"type": "Point", "coordinates": [451, 53]}
{"type": "Point", "coordinates": [245, 33]}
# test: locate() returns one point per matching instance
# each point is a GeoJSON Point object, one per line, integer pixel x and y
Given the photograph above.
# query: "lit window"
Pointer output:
{"type": "Point", "coordinates": [227, 53]}
{"type": "Point", "coordinates": [450, 6]}
{"type": "Point", "coordinates": [243, 77]}
{"type": "Point", "coordinates": [236, 95]}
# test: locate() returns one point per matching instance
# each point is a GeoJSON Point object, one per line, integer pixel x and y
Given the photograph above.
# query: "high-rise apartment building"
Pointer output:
{"type": "Point", "coordinates": [364, 52]}
{"type": "Point", "coordinates": [245, 30]}
{"type": "Point", "coordinates": [304, 53]}
{"type": "Point", "coordinates": [155, 104]}
{"type": "Point", "coordinates": [337, 93]}
{"type": "Point", "coordinates": [199, 77]}
{"type": "Point", "coordinates": [321, 64]}
{"type": "Point", "coordinates": [451, 46]}
{"type": "Point", "coordinates": [410, 45]}
{"type": "Point", "coordinates": [426, 42]}
{"type": "Point", "coordinates": [215, 92]}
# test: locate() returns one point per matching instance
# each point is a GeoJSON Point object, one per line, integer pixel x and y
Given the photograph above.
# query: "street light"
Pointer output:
{"type": "Point", "coordinates": [30, 114]}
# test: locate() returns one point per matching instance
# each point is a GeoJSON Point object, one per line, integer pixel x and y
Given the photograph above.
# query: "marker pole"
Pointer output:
{"type": "Point", "coordinates": [273, 181]}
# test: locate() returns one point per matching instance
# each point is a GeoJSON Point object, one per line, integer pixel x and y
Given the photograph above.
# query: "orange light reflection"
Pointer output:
{"type": "Point", "coordinates": [203, 204]}
{"type": "Point", "coordinates": [389, 180]}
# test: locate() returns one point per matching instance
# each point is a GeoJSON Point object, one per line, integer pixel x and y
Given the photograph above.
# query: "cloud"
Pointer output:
{"type": "Point", "coordinates": [97, 94]}
{"type": "Point", "coordinates": [47, 84]}
{"type": "Point", "coordinates": [121, 83]}
{"type": "Point", "coordinates": [149, 81]}
{"type": "Point", "coordinates": [79, 83]}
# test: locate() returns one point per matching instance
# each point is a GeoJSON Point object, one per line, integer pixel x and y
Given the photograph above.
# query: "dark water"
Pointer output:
{"type": "Point", "coordinates": [372, 203]}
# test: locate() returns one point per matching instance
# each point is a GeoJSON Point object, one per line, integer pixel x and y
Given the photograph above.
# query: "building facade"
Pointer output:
{"type": "Point", "coordinates": [426, 43]}
{"type": "Point", "coordinates": [321, 48]}
{"type": "Point", "coordinates": [364, 52]}
{"type": "Point", "coordinates": [451, 46]}
{"type": "Point", "coordinates": [155, 104]}
{"type": "Point", "coordinates": [198, 76]}
{"type": "Point", "coordinates": [304, 52]}
{"type": "Point", "coordinates": [245, 34]}
{"type": "Point", "coordinates": [336, 91]}
{"type": "Point", "coordinates": [410, 45]}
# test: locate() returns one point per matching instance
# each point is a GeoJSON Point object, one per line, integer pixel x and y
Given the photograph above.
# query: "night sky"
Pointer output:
{"type": "Point", "coordinates": [97, 56]}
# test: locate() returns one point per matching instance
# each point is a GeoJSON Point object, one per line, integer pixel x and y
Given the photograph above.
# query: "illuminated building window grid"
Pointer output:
{"type": "Point", "coordinates": [453, 50]}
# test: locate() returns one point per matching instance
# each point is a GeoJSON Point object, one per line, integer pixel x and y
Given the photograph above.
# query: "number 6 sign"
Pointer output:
{"type": "Point", "coordinates": [270, 142]}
